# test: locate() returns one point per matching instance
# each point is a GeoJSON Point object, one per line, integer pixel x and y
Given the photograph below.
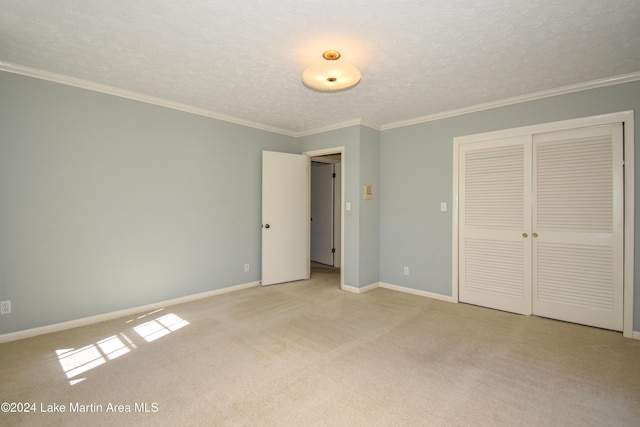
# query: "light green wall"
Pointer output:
{"type": "Point", "coordinates": [361, 228]}
{"type": "Point", "coordinates": [416, 176]}
{"type": "Point", "coordinates": [369, 209]}
{"type": "Point", "coordinates": [108, 204]}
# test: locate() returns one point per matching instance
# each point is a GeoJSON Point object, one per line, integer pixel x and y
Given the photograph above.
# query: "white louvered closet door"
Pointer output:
{"type": "Point", "coordinates": [577, 252]}
{"type": "Point", "coordinates": [495, 217]}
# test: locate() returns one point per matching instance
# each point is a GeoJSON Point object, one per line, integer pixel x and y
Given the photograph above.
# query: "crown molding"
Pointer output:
{"type": "Point", "coordinates": [609, 81]}
{"type": "Point", "coordinates": [371, 125]}
{"type": "Point", "coordinates": [110, 90]}
{"type": "Point", "coordinates": [328, 128]}
{"type": "Point", "coordinates": [342, 125]}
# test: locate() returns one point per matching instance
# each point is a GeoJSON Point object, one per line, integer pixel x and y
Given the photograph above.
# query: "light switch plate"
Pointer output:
{"type": "Point", "coordinates": [443, 206]}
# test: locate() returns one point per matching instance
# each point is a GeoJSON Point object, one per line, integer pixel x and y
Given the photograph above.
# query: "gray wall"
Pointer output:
{"type": "Point", "coordinates": [416, 175]}
{"type": "Point", "coordinates": [107, 203]}
{"type": "Point", "coordinates": [369, 209]}
{"type": "Point", "coordinates": [361, 228]}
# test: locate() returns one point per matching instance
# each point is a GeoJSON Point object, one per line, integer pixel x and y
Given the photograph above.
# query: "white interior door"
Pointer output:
{"type": "Point", "coordinates": [322, 213]}
{"type": "Point", "coordinates": [285, 217]}
{"type": "Point", "coordinates": [578, 226]}
{"type": "Point", "coordinates": [494, 211]}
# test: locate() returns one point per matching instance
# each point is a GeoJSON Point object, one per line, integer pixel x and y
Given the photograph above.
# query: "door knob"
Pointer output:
{"type": "Point", "coordinates": [535, 234]}
{"type": "Point", "coordinates": [525, 235]}
{"type": "Point", "coordinates": [267, 226]}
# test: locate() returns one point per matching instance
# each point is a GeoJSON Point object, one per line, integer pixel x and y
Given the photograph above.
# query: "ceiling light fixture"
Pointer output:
{"type": "Point", "coordinates": [330, 75]}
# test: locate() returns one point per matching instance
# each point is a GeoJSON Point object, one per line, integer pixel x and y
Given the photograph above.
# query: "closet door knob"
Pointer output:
{"type": "Point", "coordinates": [267, 226]}
{"type": "Point", "coordinates": [525, 235]}
{"type": "Point", "coordinates": [535, 234]}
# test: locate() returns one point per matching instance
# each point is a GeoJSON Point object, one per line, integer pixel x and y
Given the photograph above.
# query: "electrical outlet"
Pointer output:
{"type": "Point", "coordinates": [406, 271]}
{"type": "Point", "coordinates": [246, 268]}
{"type": "Point", "coordinates": [5, 307]}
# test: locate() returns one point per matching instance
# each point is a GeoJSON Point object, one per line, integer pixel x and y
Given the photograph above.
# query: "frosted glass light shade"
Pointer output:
{"type": "Point", "coordinates": [331, 76]}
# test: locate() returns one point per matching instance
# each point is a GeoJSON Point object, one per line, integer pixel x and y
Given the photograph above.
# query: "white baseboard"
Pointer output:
{"type": "Point", "coordinates": [397, 288]}
{"type": "Point", "coordinates": [416, 292]}
{"type": "Point", "coordinates": [57, 327]}
{"type": "Point", "coordinates": [635, 335]}
{"type": "Point", "coordinates": [359, 290]}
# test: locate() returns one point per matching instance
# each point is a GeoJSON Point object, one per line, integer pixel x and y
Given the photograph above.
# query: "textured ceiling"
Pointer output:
{"type": "Point", "coordinates": [244, 60]}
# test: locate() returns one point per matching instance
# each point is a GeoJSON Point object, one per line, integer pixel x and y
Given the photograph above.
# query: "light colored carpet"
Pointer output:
{"type": "Point", "coordinates": [307, 353]}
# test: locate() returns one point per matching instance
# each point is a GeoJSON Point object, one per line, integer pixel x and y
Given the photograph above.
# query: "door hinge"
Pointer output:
{"type": "Point", "coordinates": [333, 250]}
{"type": "Point", "coordinates": [333, 175]}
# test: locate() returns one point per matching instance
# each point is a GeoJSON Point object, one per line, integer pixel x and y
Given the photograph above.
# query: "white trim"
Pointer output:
{"type": "Point", "coordinates": [625, 117]}
{"type": "Point", "coordinates": [362, 290]}
{"type": "Point", "coordinates": [455, 269]}
{"type": "Point", "coordinates": [581, 122]}
{"type": "Point", "coordinates": [85, 84]}
{"type": "Point", "coordinates": [397, 288]}
{"type": "Point", "coordinates": [351, 289]}
{"type": "Point", "coordinates": [57, 327]}
{"type": "Point", "coordinates": [371, 125]}
{"type": "Point", "coordinates": [417, 292]}
{"type": "Point", "coordinates": [110, 90]}
{"type": "Point", "coordinates": [609, 81]}
{"type": "Point", "coordinates": [629, 221]}
{"type": "Point", "coordinates": [343, 177]}
{"type": "Point", "coordinates": [337, 126]}
{"type": "Point", "coordinates": [635, 335]}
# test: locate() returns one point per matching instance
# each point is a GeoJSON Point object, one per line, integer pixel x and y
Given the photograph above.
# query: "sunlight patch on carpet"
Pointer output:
{"type": "Point", "coordinates": [76, 361]}
{"type": "Point", "coordinates": [160, 327]}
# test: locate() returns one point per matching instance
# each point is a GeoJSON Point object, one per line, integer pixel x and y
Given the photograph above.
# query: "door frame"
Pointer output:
{"type": "Point", "coordinates": [624, 117]}
{"type": "Point", "coordinates": [324, 152]}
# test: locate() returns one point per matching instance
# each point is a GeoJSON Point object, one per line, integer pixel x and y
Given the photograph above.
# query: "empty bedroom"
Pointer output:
{"type": "Point", "coordinates": [411, 213]}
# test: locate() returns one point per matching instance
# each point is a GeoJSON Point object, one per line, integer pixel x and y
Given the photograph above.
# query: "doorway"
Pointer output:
{"type": "Point", "coordinates": [325, 210]}
{"type": "Point", "coordinates": [326, 199]}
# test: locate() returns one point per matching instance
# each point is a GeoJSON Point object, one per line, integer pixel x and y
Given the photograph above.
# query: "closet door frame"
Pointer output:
{"type": "Point", "coordinates": [626, 118]}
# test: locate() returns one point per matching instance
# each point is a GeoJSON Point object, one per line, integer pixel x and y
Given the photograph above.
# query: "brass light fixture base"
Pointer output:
{"type": "Point", "coordinates": [331, 55]}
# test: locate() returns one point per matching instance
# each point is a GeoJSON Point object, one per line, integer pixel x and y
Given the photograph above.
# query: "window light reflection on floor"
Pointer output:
{"type": "Point", "coordinates": [160, 327]}
{"type": "Point", "coordinates": [113, 347]}
{"type": "Point", "coordinates": [76, 361]}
